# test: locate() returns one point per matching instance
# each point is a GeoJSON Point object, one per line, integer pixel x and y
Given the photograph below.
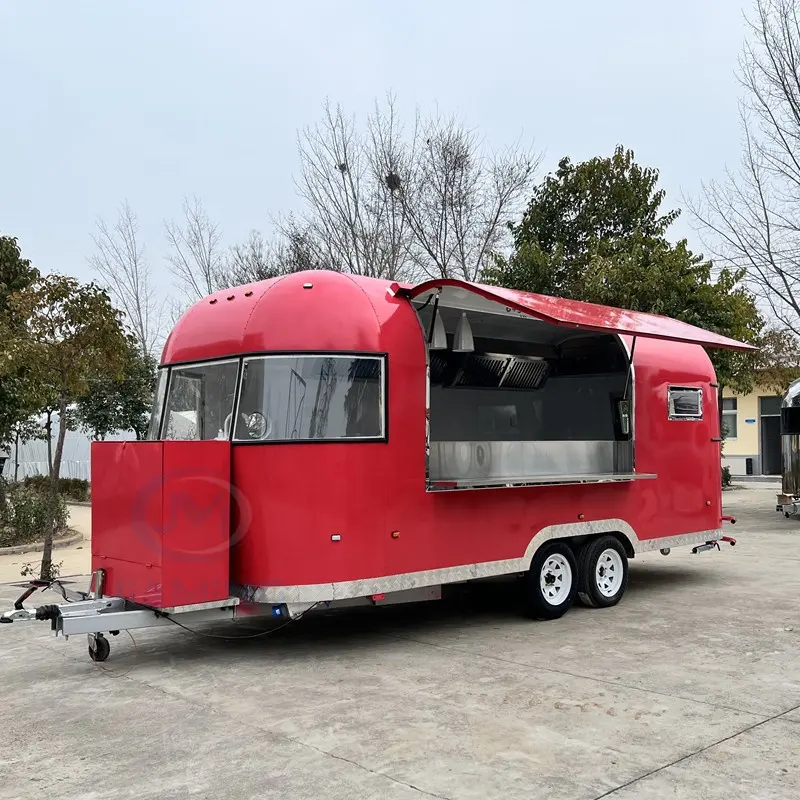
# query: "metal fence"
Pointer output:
{"type": "Point", "coordinates": [31, 458]}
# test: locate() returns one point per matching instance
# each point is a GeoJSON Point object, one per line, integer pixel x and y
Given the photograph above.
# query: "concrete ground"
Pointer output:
{"type": "Point", "coordinates": [689, 689]}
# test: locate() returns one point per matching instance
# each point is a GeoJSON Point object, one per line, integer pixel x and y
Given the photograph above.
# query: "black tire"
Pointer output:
{"type": "Point", "coordinates": [605, 590]}
{"type": "Point", "coordinates": [554, 565]}
{"type": "Point", "coordinates": [100, 650]}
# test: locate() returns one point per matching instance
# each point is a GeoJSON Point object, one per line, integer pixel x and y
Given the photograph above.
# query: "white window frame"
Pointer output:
{"type": "Point", "coordinates": [731, 412]}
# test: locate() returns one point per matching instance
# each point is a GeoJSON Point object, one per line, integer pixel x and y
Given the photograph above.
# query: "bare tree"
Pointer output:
{"type": "Point", "coordinates": [259, 259]}
{"type": "Point", "coordinates": [120, 260]}
{"type": "Point", "coordinates": [352, 221]}
{"type": "Point", "coordinates": [752, 217]}
{"type": "Point", "coordinates": [195, 251]}
{"type": "Point", "coordinates": [387, 202]}
{"type": "Point", "coordinates": [249, 262]}
{"type": "Point", "coordinates": [458, 201]}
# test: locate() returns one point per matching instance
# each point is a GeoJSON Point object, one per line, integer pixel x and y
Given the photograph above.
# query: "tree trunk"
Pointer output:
{"type": "Point", "coordinates": [55, 473]}
{"type": "Point", "coordinates": [49, 429]}
{"type": "Point", "coordinates": [2, 490]}
{"type": "Point", "coordinates": [16, 458]}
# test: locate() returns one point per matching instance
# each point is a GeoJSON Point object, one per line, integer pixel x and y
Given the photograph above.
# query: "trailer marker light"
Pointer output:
{"type": "Point", "coordinates": [277, 611]}
{"type": "Point", "coordinates": [336, 537]}
{"type": "Point", "coordinates": [395, 534]}
{"type": "Point", "coordinates": [377, 597]}
{"type": "Point", "coordinates": [581, 516]}
{"type": "Point", "coordinates": [308, 285]}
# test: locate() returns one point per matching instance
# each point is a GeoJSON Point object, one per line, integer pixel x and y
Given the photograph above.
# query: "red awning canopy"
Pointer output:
{"type": "Point", "coordinates": [585, 316]}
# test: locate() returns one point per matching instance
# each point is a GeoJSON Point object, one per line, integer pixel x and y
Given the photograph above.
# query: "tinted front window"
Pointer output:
{"type": "Point", "coordinates": [200, 401]}
{"type": "Point", "coordinates": [285, 398]}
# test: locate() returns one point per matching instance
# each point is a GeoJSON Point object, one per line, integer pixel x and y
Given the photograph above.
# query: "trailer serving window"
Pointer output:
{"type": "Point", "coordinates": [571, 419]}
{"type": "Point", "coordinates": [308, 397]}
{"type": "Point", "coordinates": [517, 401]}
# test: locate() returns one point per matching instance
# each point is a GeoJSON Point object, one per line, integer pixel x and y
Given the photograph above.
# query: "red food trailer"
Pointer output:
{"type": "Point", "coordinates": [324, 439]}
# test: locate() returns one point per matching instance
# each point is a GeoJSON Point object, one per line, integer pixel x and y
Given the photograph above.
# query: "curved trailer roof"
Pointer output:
{"type": "Point", "coordinates": [344, 311]}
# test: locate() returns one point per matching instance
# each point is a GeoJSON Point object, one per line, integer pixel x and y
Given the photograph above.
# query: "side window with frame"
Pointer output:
{"type": "Point", "coordinates": [685, 403]}
{"type": "Point", "coordinates": [730, 418]}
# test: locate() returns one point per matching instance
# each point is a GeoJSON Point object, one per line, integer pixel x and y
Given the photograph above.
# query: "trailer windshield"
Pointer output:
{"type": "Point", "coordinates": [311, 398]}
{"type": "Point", "coordinates": [200, 401]}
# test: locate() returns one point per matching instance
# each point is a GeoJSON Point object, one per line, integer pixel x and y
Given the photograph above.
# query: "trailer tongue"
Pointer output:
{"type": "Point", "coordinates": [98, 615]}
{"type": "Point", "coordinates": [324, 440]}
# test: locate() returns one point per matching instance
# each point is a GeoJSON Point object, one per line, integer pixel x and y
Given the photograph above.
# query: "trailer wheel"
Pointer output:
{"type": "Point", "coordinates": [551, 582]}
{"type": "Point", "coordinates": [99, 648]}
{"type": "Point", "coordinates": [602, 572]}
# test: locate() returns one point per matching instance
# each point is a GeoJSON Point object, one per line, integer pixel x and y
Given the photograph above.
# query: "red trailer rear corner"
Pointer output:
{"type": "Point", "coordinates": [323, 439]}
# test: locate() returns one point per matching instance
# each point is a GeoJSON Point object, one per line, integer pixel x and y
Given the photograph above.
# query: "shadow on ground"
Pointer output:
{"type": "Point", "coordinates": [478, 609]}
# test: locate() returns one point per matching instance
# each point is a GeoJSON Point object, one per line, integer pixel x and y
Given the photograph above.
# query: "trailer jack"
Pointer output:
{"type": "Point", "coordinates": [714, 543]}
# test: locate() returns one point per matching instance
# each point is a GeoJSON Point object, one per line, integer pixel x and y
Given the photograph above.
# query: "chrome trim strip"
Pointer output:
{"type": "Point", "coordinates": [320, 592]}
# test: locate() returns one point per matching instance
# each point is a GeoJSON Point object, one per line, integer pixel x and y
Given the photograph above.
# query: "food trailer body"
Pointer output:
{"type": "Point", "coordinates": [322, 439]}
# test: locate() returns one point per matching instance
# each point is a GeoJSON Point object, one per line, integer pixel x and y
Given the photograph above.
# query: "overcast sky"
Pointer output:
{"type": "Point", "coordinates": [150, 101]}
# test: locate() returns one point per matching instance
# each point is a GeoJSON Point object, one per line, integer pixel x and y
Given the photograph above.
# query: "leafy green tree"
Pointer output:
{"type": "Point", "coordinates": [777, 363]}
{"type": "Point", "coordinates": [595, 231]}
{"type": "Point", "coordinates": [120, 403]}
{"type": "Point", "coordinates": [16, 273]}
{"type": "Point", "coordinates": [66, 334]}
